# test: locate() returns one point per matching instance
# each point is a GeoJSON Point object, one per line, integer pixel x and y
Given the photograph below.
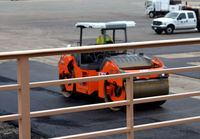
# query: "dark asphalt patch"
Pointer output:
{"type": "Point", "coordinates": [176, 62]}
{"type": "Point", "coordinates": [6, 80]}
{"type": "Point", "coordinates": [81, 122]}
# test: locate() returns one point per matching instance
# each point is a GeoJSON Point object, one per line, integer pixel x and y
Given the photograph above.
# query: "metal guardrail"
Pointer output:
{"type": "Point", "coordinates": [23, 86]}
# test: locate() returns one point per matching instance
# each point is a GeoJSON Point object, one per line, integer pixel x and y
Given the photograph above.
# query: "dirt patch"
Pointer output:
{"type": "Point", "coordinates": [9, 131]}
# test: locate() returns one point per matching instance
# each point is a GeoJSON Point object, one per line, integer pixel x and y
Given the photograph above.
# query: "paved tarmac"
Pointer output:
{"type": "Point", "coordinates": [81, 122]}
{"type": "Point", "coordinates": [50, 24]}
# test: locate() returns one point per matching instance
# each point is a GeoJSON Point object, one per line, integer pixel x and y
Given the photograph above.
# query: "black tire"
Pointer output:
{"type": "Point", "coordinates": [158, 103]}
{"type": "Point", "coordinates": [169, 30]}
{"type": "Point", "coordinates": [159, 31]}
{"type": "Point", "coordinates": [198, 29]}
{"type": "Point", "coordinates": [66, 93]}
{"type": "Point", "coordinates": [151, 15]}
{"type": "Point", "coordinates": [150, 105]}
{"type": "Point", "coordinates": [107, 98]}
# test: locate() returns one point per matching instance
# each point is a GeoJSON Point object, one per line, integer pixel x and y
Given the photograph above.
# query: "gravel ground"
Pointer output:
{"type": "Point", "coordinates": [9, 131]}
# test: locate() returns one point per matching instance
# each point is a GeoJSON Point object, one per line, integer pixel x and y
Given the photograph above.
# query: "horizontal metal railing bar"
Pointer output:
{"type": "Point", "coordinates": [111, 104]}
{"type": "Point", "coordinates": [113, 76]}
{"type": "Point", "coordinates": [166, 123]}
{"type": "Point", "coordinates": [78, 108]}
{"type": "Point", "coordinates": [9, 87]}
{"type": "Point", "coordinates": [10, 117]}
{"type": "Point", "coordinates": [96, 134]}
{"type": "Point", "coordinates": [99, 48]}
{"type": "Point", "coordinates": [166, 97]}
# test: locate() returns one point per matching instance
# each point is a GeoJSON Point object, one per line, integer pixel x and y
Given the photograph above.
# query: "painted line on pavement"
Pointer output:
{"type": "Point", "coordinates": [194, 63]}
{"type": "Point", "coordinates": [180, 55]}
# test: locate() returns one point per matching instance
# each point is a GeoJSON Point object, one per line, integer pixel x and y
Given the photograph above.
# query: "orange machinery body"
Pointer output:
{"type": "Point", "coordinates": [109, 67]}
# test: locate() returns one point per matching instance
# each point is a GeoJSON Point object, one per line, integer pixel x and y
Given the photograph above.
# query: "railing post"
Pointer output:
{"type": "Point", "coordinates": [23, 97]}
{"type": "Point", "coordinates": [129, 108]}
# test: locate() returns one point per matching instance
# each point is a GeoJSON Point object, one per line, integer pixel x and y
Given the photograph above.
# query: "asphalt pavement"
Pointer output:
{"type": "Point", "coordinates": [81, 122]}
{"type": "Point", "coordinates": [51, 24]}
{"type": "Point", "coordinates": [177, 61]}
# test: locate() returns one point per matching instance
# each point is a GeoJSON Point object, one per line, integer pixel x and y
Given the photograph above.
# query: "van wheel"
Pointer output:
{"type": "Point", "coordinates": [198, 29]}
{"type": "Point", "coordinates": [151, 15]}
{"type": "Point", "coordinates": [159, 31]}
{"type": "Point", "coordinates": [169, 30]}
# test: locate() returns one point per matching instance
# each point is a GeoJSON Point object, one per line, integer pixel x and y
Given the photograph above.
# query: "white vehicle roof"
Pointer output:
{"type": "Point", "coordinates": [106, 25]}
{"type": "Point", "coordinates": [182, 11]}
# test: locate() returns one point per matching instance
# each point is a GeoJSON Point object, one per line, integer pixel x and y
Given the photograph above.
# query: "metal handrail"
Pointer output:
{"type": "Point", "coordinates": [23, 86]}
{"type": "Point", "coordinates": [99, 48]}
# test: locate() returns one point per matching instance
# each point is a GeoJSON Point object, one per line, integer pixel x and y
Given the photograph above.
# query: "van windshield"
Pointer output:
{"type": "Point", "coordinates": [172, 15]}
